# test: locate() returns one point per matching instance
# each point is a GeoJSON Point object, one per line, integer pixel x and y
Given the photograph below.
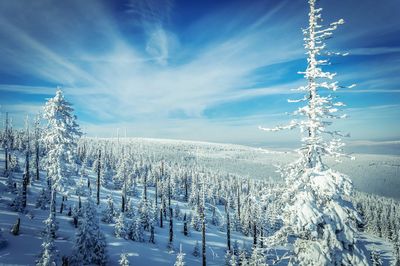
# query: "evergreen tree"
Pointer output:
{"type": "Point", "coordinates": [376, 258]}
{"type": "Point", "coordinates": [243, 258]}
{"type": "Point", "coordinates": [90, 244]}
{"type": "Point", "coordinates": [233, 261]}
{"type": "Point", "coordinates": [17, 203]}
{"type": "Point", "coordinates": [318, 211]}
{"type": "Point", "coordinates": [180, 258]}
{"type": "Point", "coordinates": [109, 212]}
{"type": "Point", "coordinates": [137, 233]}
{"type": "Point", "coordinates": [396, 251]}
{"type": "Point", "coordinates": [123, 261]}
{"type": "Point", "coordinates": [120, 229]}
{"type": "Point", "coordinates": [42, 199]}
{"type": "Point", "coordinates": [257, 257]}
{"type": "Point", "coordinates": [130, 209]}
{"type": "Point", "coordinates": [196, 220]}
{"type": "Point", "coordinates": [59, 139]}
{"type": "Point", "coordinates": [49, 254]}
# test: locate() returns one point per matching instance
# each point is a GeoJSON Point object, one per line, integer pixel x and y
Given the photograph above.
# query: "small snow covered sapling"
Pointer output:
{"type": "Point", "coordinates": [123, 260]}
{"type": "Point", "coordinates": [120, 226]}
{"type": "Point", "coordinates": [180, 258]}
{"type": "Point", "coordinates": [376, 259]}
{"type": "Point", "coordinates": [42, 199]}
{"type": "Point", "coordinates": [109, 212]}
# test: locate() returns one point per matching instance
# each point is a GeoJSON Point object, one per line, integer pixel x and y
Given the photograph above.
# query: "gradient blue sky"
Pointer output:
{"type": "Point", "coordinates": [199, 70]}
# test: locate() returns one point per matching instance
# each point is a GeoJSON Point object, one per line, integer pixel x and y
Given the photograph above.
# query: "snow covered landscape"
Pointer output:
{"type": "Point", "coordinates": [149, 154]}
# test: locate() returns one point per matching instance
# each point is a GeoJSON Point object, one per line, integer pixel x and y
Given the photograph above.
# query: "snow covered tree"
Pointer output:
{"type": "Point", "coordinates": [90, 244]}
{"type": "Point", "coordinates": [258, 259]}
{"type": "Point", "coordinates": [49, 254]}
{"type": "Point", "coordinates": [396, 252]}
{"type": "Point", "coordinates": [243, 258]}
{"type": "Point", "coordinates": [376, 259]}
{"type": "Point", "coordinates": [233, 261]}
{"type": "Point", "coordinates": [180, 258]}
{"type": "Point", "coordinates": [130, 210]}
{"type": "Point", "coordinates": [59, 139]}
{"type": "Point", "coordinates": [42, 199]}
{"type": "Point", "coordinates": [109, 212]}
{"type": "Point", "coordinates": [121, 226]}
{"type": "Point", "coordinates": [318, 210]}
{"type": "Point", "coordinates": [137, 233]}
{"type": "Point", "coordinates": [196, 220]}
{"type": "Point", "coordinates": [17, 203]}
{"type": "Point", "coordinates": [123, 261]}
{"type": "Point", "coordinates": [82, 186]}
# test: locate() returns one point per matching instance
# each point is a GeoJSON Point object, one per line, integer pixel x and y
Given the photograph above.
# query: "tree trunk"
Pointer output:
{"type": "Point", "coordinates": [203, 238]}
{"type": "Point", "coordinates": [186, 187]}
{"type": "Point", "coordinates": [254, 234]}
{"type": "Point", "coordinates": [98, 178]}
{"type": "Point", "coordinates": [171, 227]}
{"type": "Point", "coordinates": [145, 186]}
{"type": "Point", "coordinates": [123, 207]}
{"type": "Point", "coordinates": [156, 193]}
{"type": "Point", "coordinates": [238, 203]}
{"type": "Point", "coordinates": [161, 217]}
{"type": "Point", "coordinates": [37, 161]}
{"type": "Point", "coordinates": [151, 240]}
{"type": "Point", "coordinates": [185, 228]}
{"type": "Point", "coordinates": [6, 157]}
{"type": "Point", "coordinates": [62, 205]}
{"type": "Point", "coordinates": [53, 210]}
{"type": "Point", "coordinates": [228, 228]}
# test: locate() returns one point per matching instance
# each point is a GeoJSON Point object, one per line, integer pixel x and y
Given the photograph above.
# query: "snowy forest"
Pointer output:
{"type": "Point", "coordinates": [69, 198]}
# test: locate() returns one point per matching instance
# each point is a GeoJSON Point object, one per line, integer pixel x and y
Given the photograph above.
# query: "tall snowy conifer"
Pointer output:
{"type": "Point", "coordinates": [60, 141]}
{"type": "Point", "coordinates": [318, 211]}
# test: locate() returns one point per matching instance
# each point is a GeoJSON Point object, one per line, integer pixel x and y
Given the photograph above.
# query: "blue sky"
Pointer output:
{"type": "Point", "coordinates": [199, 70]}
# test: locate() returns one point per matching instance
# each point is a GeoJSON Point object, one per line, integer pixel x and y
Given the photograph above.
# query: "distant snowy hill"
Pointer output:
{"type": "Point", "coordinates": [372, 173]}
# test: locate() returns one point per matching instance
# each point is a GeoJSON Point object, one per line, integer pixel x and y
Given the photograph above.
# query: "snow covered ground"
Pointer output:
{"type": "Point", "coordinates": [241, 160]}
{"type": "Point", "coordinates": [25, 248]}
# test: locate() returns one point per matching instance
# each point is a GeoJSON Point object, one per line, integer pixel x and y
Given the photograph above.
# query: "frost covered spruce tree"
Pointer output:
{"type": "Point", "coordinates": [124, 261]}
{"type": "Point", "coordinates": [180, 258]}
{"type": "Point", "coordinates": [59, 139]}
{"type": "Point", "coordinates": [90, 243]}
{"type": "Point", "coordinates": [318, 211]}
